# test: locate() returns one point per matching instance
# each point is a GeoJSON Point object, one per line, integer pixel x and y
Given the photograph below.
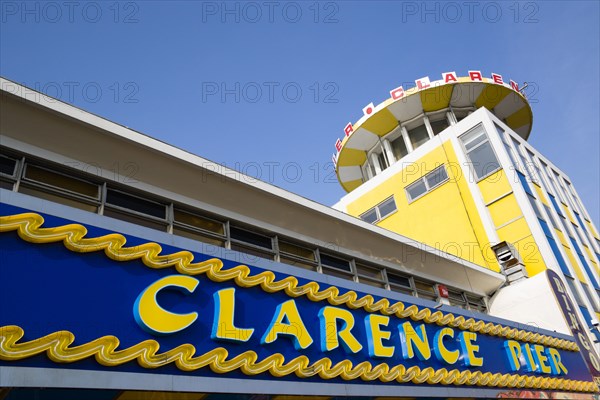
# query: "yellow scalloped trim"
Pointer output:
{"type": "Point", "coordinates": [28, 227]}
{"type": "Point", "coordinates": [58, 348]}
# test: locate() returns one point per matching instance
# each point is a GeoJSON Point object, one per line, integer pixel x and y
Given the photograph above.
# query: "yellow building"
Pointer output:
{"type": "Point", "coordinates": [447, 164]}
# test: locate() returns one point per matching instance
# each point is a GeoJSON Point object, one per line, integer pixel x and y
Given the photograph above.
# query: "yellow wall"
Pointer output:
{"type": "Point", "coordinates": [444, 218]}
{"type": "Point", "coordinates": [592, 229]}
{"type": "Point", "coordinates": [540, 194]}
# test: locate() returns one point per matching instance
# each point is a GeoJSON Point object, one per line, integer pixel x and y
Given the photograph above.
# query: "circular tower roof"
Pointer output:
{"type": "Point", "coordinates": [503, 99]}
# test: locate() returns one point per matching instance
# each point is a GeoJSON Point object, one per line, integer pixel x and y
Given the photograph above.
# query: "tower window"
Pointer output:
{"type": "Point", "coordinates": [418, 136]}
{"type": "Point", "coordinates": [399, 147]}
{"type": "Point", "coordinates": [370, 216]}
{"type": "Point", "coordinates": [438, 126]}
{"type": "Point", "coordinates": [427, 183]}
{"type": "Point", "coordinates": [380, 211]}
{"type": "Point", "coordinates": [479, 152]}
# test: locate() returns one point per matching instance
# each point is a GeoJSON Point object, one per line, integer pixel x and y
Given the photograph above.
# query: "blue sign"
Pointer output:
{"type": "Point", "coordinates": [76, 296]}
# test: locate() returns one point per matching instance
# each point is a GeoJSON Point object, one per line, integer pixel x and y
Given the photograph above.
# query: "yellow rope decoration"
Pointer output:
{"type": "Point", "coordinates": [57, 347]}
{"type": "Point", "coordinates": [28, 227]}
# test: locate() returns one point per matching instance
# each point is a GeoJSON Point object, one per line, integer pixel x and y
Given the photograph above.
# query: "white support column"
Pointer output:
{"type": "Point", "coordinates": [387, 147]}
{"type": "Point", "coordinates": [428, 126]}
{"type": "Point", "coordinates": [407, 142]}
{"type": "Point", "coordinates": [368, 169]}
{"type": "Point", "coordinates": [451, 118]}
{"type": "Point", "coordinates": [375, 162]}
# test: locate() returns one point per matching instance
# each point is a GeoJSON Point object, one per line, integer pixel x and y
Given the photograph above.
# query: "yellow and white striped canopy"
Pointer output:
{"type": "Point", "coordinates": [506, 103]}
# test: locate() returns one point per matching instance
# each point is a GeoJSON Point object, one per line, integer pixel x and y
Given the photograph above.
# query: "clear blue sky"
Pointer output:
{"type": "Point", "coordinates": [296, 72]}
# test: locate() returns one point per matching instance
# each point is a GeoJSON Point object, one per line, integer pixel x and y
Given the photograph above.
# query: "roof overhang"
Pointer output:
{"type": "Point", "coordinates": [505, 100]}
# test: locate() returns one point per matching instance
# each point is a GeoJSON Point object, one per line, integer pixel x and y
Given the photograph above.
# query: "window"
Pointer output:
{"type": "Point", "coordinates": [535, 207]}
{"type": "Point", "coordinates": [438, 126]}
{"type": "Point", "coordinates": [561, 189]}
{"type": "Point", "coordinates": [370, 275]}
{"type": "Point", "coordinates": [8, 172]}
{"type": "Point", "coordinates": [504, 136]}
{"type": "Point", "coordinates": [418, 136]}
{"type": "Point", "coordinates": [576, 199]}
{"type": "Point", "coordinates": [380, 211]}
{"type": "Point", "coordinates": [60, 182]}
{"type": "Point", "coordinates": [578, 233]}
{"type": "Point", "coordinates": [427, 183]}
{"type": "Point", "coordinates": [370, 216]}
{"type": "Point", "coordinates": [253, 243]}
{"type": "Point", "coordinates": [551, 217]}
{"type": "Point", "coordinates": [60, 188]}
{"type": "Point", "coordinates": [199, 222]}
{"type": "Point", "coordinates": [7, 166]}
{"type": "Point", "coordinates": [399, 147]}
{"type": "Point", "coordinates": [417, 189]}
{"type": "Point", "coordinates": [524, 166]}
{"type": "Point", "coordinates": [425, 290]}
{"type": "Point", "coordinates": [553, 184]}
{"type": "Point", "coordinates": [436, 177]}
{"type": "Point", "coordinates": [197, 227]}
{"type": "Point", "coordinates": [399, 283]}
{"type": "Point", "coordinates": [461, 114]}
{"type": "Point", "coordinates": [479, 152]}
{"type": "Point", "coordinates": [386, 208]}
{"type": "Point", "coordinates": [457, 299]}
{"type": "Point", "coordinates": [399, 280]}
{"type": "Point", "coordinates": [511, 155]}
{"type": "Point", "coordinates": [134, 203]}
{"type": "Point", "coordinates": [297, 255]}
{"type": "Point", "coordinates": [336, 266]}
{"type": "Point", "coordinates": [534, 169]}
{"type": "Point", "coordinates": [247, 237]}
{"type": "Point", "coordinates": [475, 303]}
{"type": "Point", "coordinates": [134, 209]}
{"type": "Point", "coordinates": [335, 262]}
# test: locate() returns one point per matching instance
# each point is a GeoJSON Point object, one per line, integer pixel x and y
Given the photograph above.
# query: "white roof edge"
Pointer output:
{"type": "Point", "coordinates": [124, 132]}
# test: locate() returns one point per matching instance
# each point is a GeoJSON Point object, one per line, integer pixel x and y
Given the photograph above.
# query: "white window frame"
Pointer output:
{"type": "Point", "coordinates": [378, 212]}
{"type": "Point", "coordinates": [466, 153]}
{"type": "Point", "coordinates": [424, 180]}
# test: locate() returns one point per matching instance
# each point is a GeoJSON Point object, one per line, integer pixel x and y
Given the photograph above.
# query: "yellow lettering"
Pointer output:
{"type": "Point", "coordinates": [441, 351]}
{"type": "Point", "coordinates": [375, 335]}
{"type": "Point", "coordinates": [294, 326]}
{"type": "Point", "coordinates": [555, 362]}
{"type": "Point", "coordinates": [223, 326]}
{"type": "Point", "coordinates": [469, 349]}
{"type": "Point", "coordinates": [156, 320]}
{"type": "Point", "coordinates": [329, 317]}
{"type": "Point", "coordinates": [513, 351]}
{"type": "Point", "coordinates": [530, 365]}
{"type": "Point", "coordinates": [411, 339]}
{"type": "Point", "coordinates": [541, 359]}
